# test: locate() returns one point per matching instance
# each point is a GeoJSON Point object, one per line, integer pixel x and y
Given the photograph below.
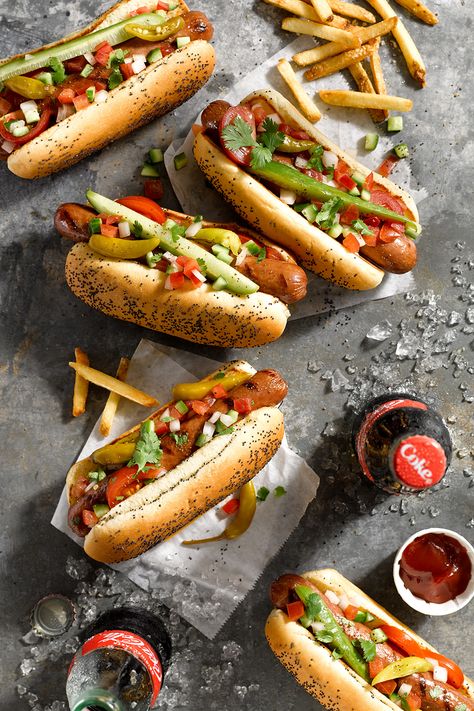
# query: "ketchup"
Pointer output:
{"type": "Point", "coordinates": [435, 567]}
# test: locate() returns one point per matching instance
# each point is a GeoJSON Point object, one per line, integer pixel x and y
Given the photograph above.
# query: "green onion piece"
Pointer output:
{"type": "Point", "coordinates": [94, 225]}
{"type": "Point", "coordinates": [88, 69]}
{"type": "Point", "coordinates": [279, 491]}
{"type": "Point", "coordinates": [181, 407]}
{"type": "Point", "coordinates": [252, 248]}
{"type": "Point", "coordinates": [361, 616]}
{"type": "Point", "coordinates": [90, 93]}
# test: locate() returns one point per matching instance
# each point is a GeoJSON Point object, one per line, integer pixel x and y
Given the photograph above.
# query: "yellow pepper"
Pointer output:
{"type": "Point", "coordinates": [116, 453]}
{"type": "Point", "coordinates": [402, 667]}
{"type": "Point", "coordinates": [196, 391]}
{"type": "Point", "coordinates": [218, 235]}
{"type": "Point", "coordinates": [28, 87]}
{"type": "Point", "coordinates": [122, 248]}
{"type": "Point", "coordinates": [295, 145]}
{"type": "Point", "coordinates": [242, 520]}
{"type": "Point", "coordinates": [155, 33]}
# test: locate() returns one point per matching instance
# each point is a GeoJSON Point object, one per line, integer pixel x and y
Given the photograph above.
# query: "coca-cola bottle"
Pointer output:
{"type": "Point", "coordinates": [403, 446]}
{"type": "Point", "coordinates": [121, 664]}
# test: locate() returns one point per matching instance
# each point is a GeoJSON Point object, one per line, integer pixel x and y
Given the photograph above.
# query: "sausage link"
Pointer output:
{"type": "Point", "coordinates": [266, 389]}
{"type": "Point", "coordinates": [72, 221]}
{"type": "Point", "coordinates": [285, 280]}
{"type": "Point", "coordinates": [196, 26]}
{"type": "Point", "coordinates": [397, 257]}
{"type": "Point", "coordinates": [213, 113]}
{"type": "Point", "coordinates": [86, 501]}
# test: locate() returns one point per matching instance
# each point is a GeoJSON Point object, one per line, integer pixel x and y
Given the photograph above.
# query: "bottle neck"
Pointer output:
{"type": "Point", "coordinates": [97, 700]}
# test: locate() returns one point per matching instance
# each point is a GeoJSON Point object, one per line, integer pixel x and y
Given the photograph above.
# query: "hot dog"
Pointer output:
{"type": "Point", "coordinates": [210, 283]}
{"type": "Point", "coordinates": [339, 641]}
{"type": "Point", "coordinates": [137, 61]}
{"type": "Point", "coordinates": [295, 186]}
{"type": "Point", "coordinates": [184, 459]}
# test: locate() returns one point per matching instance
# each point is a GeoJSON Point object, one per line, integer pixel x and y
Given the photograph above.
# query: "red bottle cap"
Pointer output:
{"type": "Point", "coordinates": [419, 461]}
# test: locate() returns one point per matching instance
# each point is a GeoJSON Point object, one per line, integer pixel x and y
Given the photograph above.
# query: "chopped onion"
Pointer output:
{"type": "Point", "coordinates": [359, 238]}
{"type": "Point", "coordinates": [332, 597]}
{"type": "Point", "coordinates": [317, 627]}
{"type": "Point", "coordinates": [197, 274]}
{"type": "Point", "coordinates": [208, 429]}
{"type": "Point", "coordinates": [64, 111]}
{"type": "Point", "coordinates": [8, 146]}
{"type": "Point", "coordinates": [124, 229]}
{"type": "Point", "coordinates": [138, 66]}
{"type": "Point", "coordinates": [165, 414]}
{"type": "Point", "coordinates": [331, 183]}
{"type": "Point", "coordinates": [274, 117]}
{"type": "Point", "coordinates": [26, 106]}
{"type": "Point", "coordinates": [343, 602]}
{"type": "Point", "coordinates": [170, 257]}
{"type": "Point", "coordinates": [404, 689]}
{"type": "Point", "coordinates": [434, 662]}
{"type": "Point", "coordinates": [128, 60]}
{"type": "Point", "coordinates": [101, 96]}
{"type": "Point", "coordinates": [241, 256]}
{"type": "Point", "coordinates": [287, 196]}
{"type": "Point", "coordinates": [175, 426]}
{"type": "Point", "coordinates": [89, 57]}
{"type": "Point", "coordinates": [214, 417]}
{"type": "Point", "coordinates": [300, 162]}
{"type": "Point", "coordinates": [329, 160]}
{"type": "Point", "coordinates": [440, 674]}
{"type": "Point", "coordinates": [227, 420]}
{"type": "Point", "coordinates": [90, 486]}
{"type": "Point", "coordinates": [193, 229]}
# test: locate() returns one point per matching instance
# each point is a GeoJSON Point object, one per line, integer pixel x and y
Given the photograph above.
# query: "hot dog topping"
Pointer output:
{"type": "Point", "coordinates": [347, 205]}
{"type": "Point", "coordinates": [412, 676]}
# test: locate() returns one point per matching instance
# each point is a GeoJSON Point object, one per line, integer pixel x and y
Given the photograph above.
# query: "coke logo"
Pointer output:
{"type": "Point", "coordinates": [419, 461]}
{"type": "Point", "coordinates": [409, 453]}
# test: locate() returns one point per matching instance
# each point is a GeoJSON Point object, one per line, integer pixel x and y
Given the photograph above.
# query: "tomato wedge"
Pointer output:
{"type": "Point", "coordinates": [386, 166]}
{"type": "Point", "coordinates": [145, 206]}
{"type": "Point", "coordinates": [382, 197]}
{"type": "Point", "coordinates": [411, 647]}
{"type": "Point", "coordinates": [126, 481]}
{"type": "Point", "coordinates": [295, 610]}
{"type": "Point", "coordinates": [32, 133]}
{"type": "Point", "coordinates": [239, 155]}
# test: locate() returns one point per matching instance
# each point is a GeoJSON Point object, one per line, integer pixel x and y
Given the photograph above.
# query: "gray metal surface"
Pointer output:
{"type": "Point", "coordinates": [349, 526]}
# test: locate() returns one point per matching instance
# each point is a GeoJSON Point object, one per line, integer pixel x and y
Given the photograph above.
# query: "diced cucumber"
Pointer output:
{"type": "Point", "coordinates": [335, 231]}
{"type": "Point", "coordinates": [115, 34]}
{"type": "Point", "coordinates": [219, 249]}
{"type": "Point", "coordinates": [45, 77]}
{"type": "Point", "coordinates": [202, 440]}
{"type": "Point", "coordinates": [100, 510]}
{"type": "Point", "coordinates": [227, 258]}
{"type": "Point", "coordinates": [156, 155]}
{"type": "Point", "coordinates": [182, 41]}
{"type": "Point", "coordinates": [88, 69]}
{"type": "Point", "coordinates": [154, 55]}
{"type": "Point", "coordinates": [358, 178]}
{"type": "Point", "coordinates": [310, 212]}
{"type": "Point", "coordinates": [371, 141]}
{"type": "Point", "coordinates": [401, 151]}
{"type": "Point", "coordinates": [219, 284]}
{"type": "Point", "coordinates": [149, 171]}
{"type": "Point", "coordinates": [365, 194]}
{"type": "Point", "coordinates": [395, 123]}
{"type": "Point", "coordinates": [90, 93]}
{"type": "Point", "coordinates": [20, 131]}
{"type": "Point", "coordinates": [354, 191]}
{"type": "Point", "coordinates": [180, 161]}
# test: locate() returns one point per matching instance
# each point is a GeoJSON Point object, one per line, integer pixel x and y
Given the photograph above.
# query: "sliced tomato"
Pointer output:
{"type": "Point", "coordinates": [102, 53]}
{"type": "Point", "coordinates": [341, 169]}
{"type": "Point", "coordinates": [382, 197]}
{"type": "Point", "coordinates": [386, 166]}
{"type": "Point", "coordinates": [231, 506]}
{"type": "Point", "coordinates": [127, 70]}
{"type": "Point", "coordinates": [372, 240]}
{"type": "Point", "coordinates": [108, 230]}
{"type": "Point", "coordinates": [387, 687]}
{"type": "Point", "coordinates": [350, 214]}
{"type": "Point", "coordinates": [125, 482]}
{"type": "Point", "coordinates": [153, 188]}
{"type": "Point", "coordinates": [38, 128]}
{"type": "Point", "coordinates": [259, 114]}
{"type": "Point", "coordinates": [376, 665]}
{"type": "Point", "coordinates": [295, 610]}
{"type": "Point", "coordinates": [89, 518]}
{"type": "Point", "coordinates": [413, 701]}
{"type": "Point", "coordinates": [350, 612]}
{"type": "Point", "coordinates": [242, 405]}
{"type": "Point", "coordinates": [372, 220]}
{"type": "Point", "coordinates": [313, 173]}
{"type": "Point", "coordinates": [239, 155]}
{"type": "Point", "coordinates": [176, 280]}
{"type": "Point", "coordinates": [139, 11]}
{"type": "Point", "coordinates": [351, 243]}
{"type": "Point", "coordinates": [145, 206]}
{"type": "Point", "coordinates": [76, 65]}
{"type": "Point", "coordinates": [81, 102]}
{"type": "Point", "coordinates": [346, 182]}
{"type": "Point", "coordinates": [191, 266]}
{"type": "Point", "coordinates": [199, 407]}
{"type": "Point", "coordinates": [80, 84]}
{"type": "Point", "coordinates": [166, 48]}
{"type": "Point", "coordinates": [218, 391]}
{"type": "Point", "coordinates": [66, 95]}
{"type": "Point", "coordinates": [293, 132]}
{"type": "Point", "coordinates": [369, 182]}
{"type": "Point", "coordinates": [411, 647]}
{"type": "Point", "coordinates": [161, 428]}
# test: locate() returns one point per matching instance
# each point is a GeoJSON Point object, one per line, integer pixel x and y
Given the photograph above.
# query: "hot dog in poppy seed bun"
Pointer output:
{"type": "Point", "coordinates": [128, 86]}
{"type": "Point", "coordinates": [186, 304]}
{"type": "Point", "coordinates": [337, 244]}
{"type": "Point", "coordinates": [343, 630]}
{"type": "Point", "coordinates": [134, 493]}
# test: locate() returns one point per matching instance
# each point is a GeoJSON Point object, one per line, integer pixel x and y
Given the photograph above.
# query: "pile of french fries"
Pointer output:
{"type": "Point", "coordinates": [117, 388]}
{"type": "Point", "coordinates": [352, 35]}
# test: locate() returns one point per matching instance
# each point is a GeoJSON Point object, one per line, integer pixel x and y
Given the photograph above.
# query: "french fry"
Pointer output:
{"type": "Point", "coordinates": [304, 9]}
{"type": "Point", "coordinates": [359, 100]}
{"type": "Point", "coordinates": [322, 10]}
{"type": "Point", "coordinates": [364, 84]}
{"type": "Point", "coordinates": [116, 386]}
{"type": "Point", "coordinates": [340, 61]}
{"type": "Point", "coordinates": [307, 27]}
{"type": "Point", "coordinates": [81, 386]}
{"type": "Point", "coordinates": [348, 9]}
{"type": "Point", "coordinates": [113, 400]}
{"type": "Point", "coordinates": [377, 73]}
{"type": "Point", "coordinates": [416, 8]}
{"type": "Point", "coordinates": [307, 106]}
{"type": "Point", "coordinates": [415, 64]}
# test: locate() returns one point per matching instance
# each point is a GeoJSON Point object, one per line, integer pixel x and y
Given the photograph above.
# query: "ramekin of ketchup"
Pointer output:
{"type": "Point", "coordinates": [434, 571]}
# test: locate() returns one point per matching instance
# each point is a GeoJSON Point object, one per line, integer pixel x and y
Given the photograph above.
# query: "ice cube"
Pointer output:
{"type": "Point", "coordinates": [408, 346]}
{"type": "Point", "coordinates": [330, 429]}
{"type": "Point", "coordinates": [314, 366]}
{"type": "Point", "coordinates": [77, 568]}
{"type": "Point", "coordinates": [470, 314]}
{"type": "Point", "coordinates": [338, 381]}
{"type": "Point", "coordinates": [27, 666]}
{"type": "Point", "coordinates": [380, 332]}
{"type": "Point", "coordinates": [231, 651]}
{"type": "Point", "coordinates": [454, 318]}
{"type": "Point", "coordinates": [433, 511]}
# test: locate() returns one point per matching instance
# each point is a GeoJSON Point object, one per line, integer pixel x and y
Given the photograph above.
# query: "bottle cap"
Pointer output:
{"type": "Point", "coordinates": [419, 461]}
{"type": "Point", "coordinates": [53, 615]}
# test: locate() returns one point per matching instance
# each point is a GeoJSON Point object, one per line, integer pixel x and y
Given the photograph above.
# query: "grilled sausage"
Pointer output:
{"type": "Point", "coordinates": [72, 221]}
{"type": "Point", "coordinates": [397, 257]}
{"type": "Point", "coordinates": [285, 280]}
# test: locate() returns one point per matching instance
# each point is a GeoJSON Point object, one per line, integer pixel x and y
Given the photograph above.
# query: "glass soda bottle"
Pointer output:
{"type": "Point", "coordinates": [403, 446]}
{"type": "Point", "coordinates": [121, 664]}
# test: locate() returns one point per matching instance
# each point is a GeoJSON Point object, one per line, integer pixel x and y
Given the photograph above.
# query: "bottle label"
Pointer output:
{"type": "Point", "coordinates": [419, 461]}
{"type": "Point", "coordinates": [135, 645]}
{"type": "Point", "coordinates": [369, 421]}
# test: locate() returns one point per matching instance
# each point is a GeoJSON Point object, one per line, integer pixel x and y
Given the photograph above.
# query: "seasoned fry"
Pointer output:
{"type": "Point", "coordinates": [315, 29]}
{"type": "Point", "coordinates": [341, 61]}
{"type": "Point", "coordinates": [416, 8]}
{"type": "Point", "coordinates": [348, 9]}
{"type": "Point", "coordinates": [113, 400]}
{"type": "Point", "coordinates": [303, 9]}
{"type": "Point", "coordinates": [307, 106]}
{"type": "Point", "coordinates": [415, 64]}
{"type": "Point", "coordinates": [81, 386]}
{"type": "Point", "coordinates": [114, 385]}
{"type": "Point", "coordinates": [322, 10]}
{"type": "Point", "coordinates": [358, 100]}
{"type": "Point", "coordinates": [364, 84]}
{"type": "Point", "coordinates": [377, 73]}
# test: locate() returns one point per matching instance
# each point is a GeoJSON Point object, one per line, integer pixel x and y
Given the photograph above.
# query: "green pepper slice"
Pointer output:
{"type": "Point", "coordinates": [295, 145]}
{"type": "Point", "coordinates": [156, 33]}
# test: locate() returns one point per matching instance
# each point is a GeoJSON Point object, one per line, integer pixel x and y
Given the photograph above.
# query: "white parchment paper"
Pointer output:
{"type": "Point", "coordinates": [346, 127]}
{"type": "Point", "coordinates": [204, 584]}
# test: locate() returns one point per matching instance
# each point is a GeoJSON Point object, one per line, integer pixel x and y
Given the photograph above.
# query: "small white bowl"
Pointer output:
{"type": "Point", "coordinates": [434, 608]}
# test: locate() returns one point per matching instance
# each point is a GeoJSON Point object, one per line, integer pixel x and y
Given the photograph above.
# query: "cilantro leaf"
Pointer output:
{"type": "Point", "coordinates": [262, 254]}
{"type": "Point", "coordinates": [116, 58]}
{"type": "Point", "coordinates": [152, 259]}
{"type": "Point", "coordinates": [262, 493]}
{"type": "Point", "coordinates": [180, 439]}
{"type": "Point", "coordinates": [313, 604]}
{"type": "Point", "coordinates": [115, 78]}
{"type": "Point", "coordinates": [324, 637]}
{"type": "Point", "coordinates": [279, 491]}
{"type": "Point", "coordinates": [58, 73]}
{"type": "Point", "coordinates": [202, 265]}
{"type": "Point", "coordinates": [315, 161]}
{"type": "Point", "coordinates": [137, 229]}
{"type": "Point", "coordinates": [271, 137]}
{"type": "Point", "coordinates": [368, 649]}
{"type": "Point", "coordinates": [238, 134]}
{"type": "Point", "coordinates": [327, 214]}
{"type": "Point", "coordinates": [147, 449]}
{"type": "Point", "coordinates": [177, 231]}
{"type": "Point", "coordinates": [361, 227]}
{"type": "Point", "coordinates": [260, 156]}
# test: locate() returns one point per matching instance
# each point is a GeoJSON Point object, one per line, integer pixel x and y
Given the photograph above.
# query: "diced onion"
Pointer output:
{"type": "Point", "coordinates": [343, 602]}
{"type": "Point", "coordinates": [64, 111]}
{"type": "Point", "coordinates": [440, 674]}
{"type": "Point", "coordinates": [329, 160]}
{"type": "Point", "coordinates": [274, 117]}
{"type": "Point", "coordinates": [165, 414]}
{"type": "Point", "coordinates": [90, 486]}
{"type": "Point", "coordinates": [300, 162]}
{"type": "Point", "coordinates": [26, 106]}
{"type": "Point", "coordinates": [208, 429]}
{"type": "Point", "coordinates": [89, 57]}
{"type": "Point", "coordinates": [332, 597]}
{"type": "Point", "coordinates": [404, 689]}
{"type": "Point", "coordinates": [170, 257]}
{"type": "Point", "coordinates": [128, 60]}
{"type": "Point", "coordinates": [317, 626]}
{"type": "Point", "coordinates": [241, 256]}
{"type": "Point", "coordinates": [287, 196]}
{"type": "Point", "coordinates": [124, 229]}
{"type": "Point", "coordinates": [138, 66]}
{"type": "Point", "coordinates": [175, 426]}
{"type": "Point", "coordinates": [193, 229]}
{"type": "Point", "coordinates": [227, 420]}
{"type": "Point", "coordinates": [214, 417]}
{"type": "Point", "coordinates": [8, 146]}
{"type": "Point", "coordinates": [197, 274]}
{"type": "Point", "coordinates": [359, 238]}
{"type": "Point", "coordinates": [101, 96]}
